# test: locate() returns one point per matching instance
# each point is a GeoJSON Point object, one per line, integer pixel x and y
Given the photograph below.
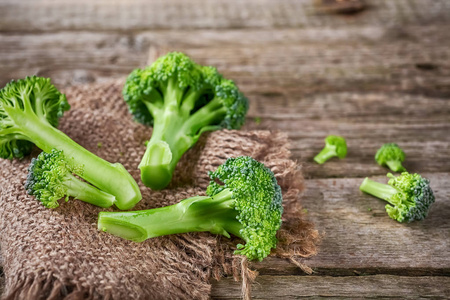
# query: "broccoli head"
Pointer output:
{"type": "Point", "coordinates": [391, 155]}
{"type": "Point", "coordinates": [181, 100]}
{"type": "Point", "coordinates": [409, 195]}
{"type": "Point", "coordinates": [50, 178]}
{"type": "Point", "coordinates": [243, 199]}
{"type": "Point", "coordinates": [335, 146]}
{"type": "Point", "coordinates": [30, 109]}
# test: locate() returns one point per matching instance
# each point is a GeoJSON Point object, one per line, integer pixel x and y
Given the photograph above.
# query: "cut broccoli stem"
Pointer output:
{"type": "Point", "coordinates": [85, 192]}
{"type": "Point", "coordinates": [100, 173]}
{"type": "Point", "coordinates": [379, 190]}
{"type": "Point", "coordinates": [214, 214]}
{"type": "Point", "coordinates": [156, 165]}
{"type": "Point", "coordinates": [395, 166]}
{"type": "Point", "coordinates": [326, 153]}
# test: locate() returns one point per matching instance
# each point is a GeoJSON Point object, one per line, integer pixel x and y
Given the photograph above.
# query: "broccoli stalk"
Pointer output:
{"type": "Point", "coordinates": [215, 214]}
{"type": "Point", "coordinates": [335, 146]}
{"type": "Point", "coordinates": [391, 155]}
{"type": "Point", "coordinates": [409, 196]}
{"type": "Point", "coordinates": [181, 100]}
{"type": "Point", "coordinates": [50, 178]}
{"type": "Point", "coordinates": [29, 112]}
{"type": "Point", "coordinates": [246, 205]}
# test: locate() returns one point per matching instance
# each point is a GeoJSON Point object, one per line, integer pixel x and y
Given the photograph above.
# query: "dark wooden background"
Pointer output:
{"type": "Point", "coordinates": [377, 75]}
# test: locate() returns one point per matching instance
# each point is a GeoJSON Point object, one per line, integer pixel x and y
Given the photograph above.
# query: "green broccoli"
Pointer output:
{"type": "Point", "coordinates": [50, 178]}
{"type": "Point", "coordinates": [243, 199]}
{"type": "Point", "coordinates": [181, 100]}
{"type": "Point", "coordinates": [409, 195]}
{"type": "Point", "coordinates": [30, 109]}
{"type": "Point", "coordinates": [334, 146]}
{"type": "Point", "coordinates": [391, 155]}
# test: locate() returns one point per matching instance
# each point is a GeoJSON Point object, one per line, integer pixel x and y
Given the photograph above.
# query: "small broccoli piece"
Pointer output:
{"type": "Point", "coordinates": [391, 155]}
{"type": "Point", "coordinates": [409, 195]}
{"type": "Point", "coordinates": [243, 199]}
{"type": "Point", "coordinates": [181, 100]}
{"type": "Point", "coordinates": [334, 146]}
{"type": "Point", "coordinates": [30, 109]}
{"type": "Point", "coordinates": [50, 178]}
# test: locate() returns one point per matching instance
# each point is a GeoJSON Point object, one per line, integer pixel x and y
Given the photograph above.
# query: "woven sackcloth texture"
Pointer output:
{"type": "Point", "coordinates": [60, 254]}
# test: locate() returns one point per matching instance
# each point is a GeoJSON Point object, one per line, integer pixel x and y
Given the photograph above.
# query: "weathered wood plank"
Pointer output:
{"type": "Point", "coordinates": [30, 15]}
{"type": "Point", "coordinates": [359, 234]}
{"type": "Point", "coordinates": [315, 287]}
{"type": "Point", "coordinates": [367, 121]}
{"type": "Point", "coordinates": [86, 57]}
{"type": "Point", "coordinates": [298, 66]}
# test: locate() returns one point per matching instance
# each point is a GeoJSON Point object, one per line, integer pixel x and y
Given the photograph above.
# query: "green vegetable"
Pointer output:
{"type": "Point", "coordinates": [181, 100]}
{"type": "Point", "coordinates": [391, 155]}
{"type": "Point", "coordinates": [50, 178]}
{"type": "Point", "coordinates": [409, 195]}
{"type": "Point", "coordinates": [243, 199]}
{"type": "Point", "coordinates": [30, 109]}
{"type": "Point", "coordinates": [334, 146]}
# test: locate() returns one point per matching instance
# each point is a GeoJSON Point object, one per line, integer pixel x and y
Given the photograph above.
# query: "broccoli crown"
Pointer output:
{"type": "Point", "coordinates": [46, 176]}
{"type": "Point", "coordinates": [148, 87]}
{"type": "Point", "coordinates": [257, 199]}
{"type": "Point", "coordinates": [34, 95]}
{"type": "Point", "coordinates": [413, 199]}
{"type": "Point", "coordinates": [338, 143]}
{"type": "Point", "coordinates": [389, 152]}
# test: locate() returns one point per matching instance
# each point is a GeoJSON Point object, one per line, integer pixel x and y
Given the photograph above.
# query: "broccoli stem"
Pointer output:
{"type": "Point", "coordinates": [326, 153]}
{"type": "Point", "coordinates": [111, 178]}
{"type": "Point", "coordinates": [379, 190]}
{"type": "Point", "coordinates": [169, 141]}
{"type": "Point", "coordinates": [174, 132]}
{"type": "Point", "coordinates": [214, 214]}
{"type": "Point", "coordinates": [165, 148]}
{"type": "Point", "coordinates": [395, 166]}
{"type": "Point", "coordinates": [85, 192]}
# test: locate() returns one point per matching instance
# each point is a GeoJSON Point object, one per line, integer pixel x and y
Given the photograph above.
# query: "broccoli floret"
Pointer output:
{"type": "Point", "coordinates": [391, 155]}
{"type": "Point", "coordinates": [181, 100]}
{"type": "Point", "coordinates": [243, 199]}
{"type": "Point", "coordinates": [50, 178]}
{"type": "Point", "coordinates": [30, 109]}
{"type": "Point", "coordinates": [409, 195]}
{"type": "Point", "coordinates": [334, 146]}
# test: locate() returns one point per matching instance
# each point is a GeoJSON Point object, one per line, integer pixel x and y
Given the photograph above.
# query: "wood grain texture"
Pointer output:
{"type": "Point", "coordinates": [54, 15]}
{"type": "Point", "coordinates": [359, 237]}
{"type": "Point", "coordinates": [358, 234]}
{"type": "Point", "coordinates": [359, 287]}
{"type": "Point", "coordinates": [287, 64]}
{"type": "Point", "coordinates": [354, 116]}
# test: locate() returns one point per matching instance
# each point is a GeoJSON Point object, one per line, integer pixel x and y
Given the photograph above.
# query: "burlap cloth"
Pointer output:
{"type": "Point", "coordinates": [60, 254]}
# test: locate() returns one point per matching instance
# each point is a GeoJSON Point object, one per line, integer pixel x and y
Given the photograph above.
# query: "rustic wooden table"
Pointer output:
{"type": "Point", "coordinates": [377, 75]}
